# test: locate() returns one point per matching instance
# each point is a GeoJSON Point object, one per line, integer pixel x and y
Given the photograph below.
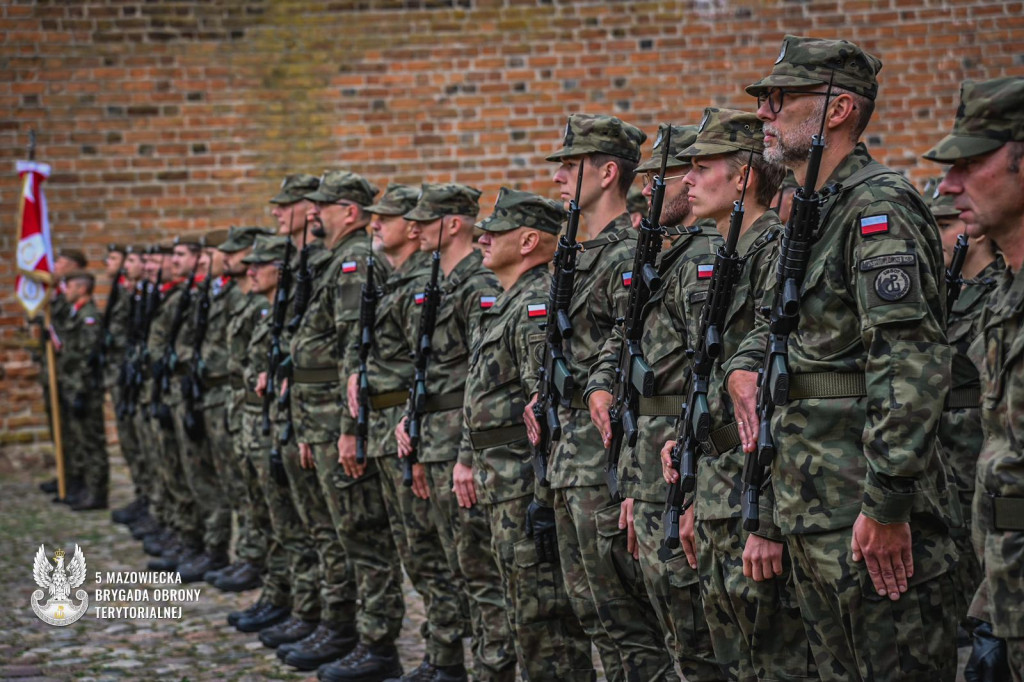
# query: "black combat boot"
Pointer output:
{"type": "Point", "coordinates": [287, 631]}
{"type": "Point", "coordinates": [365, 663]}
{"type": "Point", "coordinates": [252, 608]}
{"type": "Point", "coordinates": [210, 560]}
{"type": "Point", "coordinates": [90, 501]}
{"type": "Point", "coordinates": [129, 513]}
{"type": "Point", "coordinates": [323, 646]}
{"type": "Point", "coordinates": [264, 617]}
{"type": "Point", "coordinates": [246, 577]}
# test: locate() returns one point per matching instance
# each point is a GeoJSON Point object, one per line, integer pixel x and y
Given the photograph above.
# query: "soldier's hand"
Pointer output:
{"type": "Point", "coordinates": [626, 524]}
{"type": "Point", "coordinates": [743, 391]}
{"type": "Point", "coordinates": [988, 661]}
{"type": "Point", "coordinates": [686, 537]}
{"type": "Point", "coordinates": [762, 558]}
{"type": "Point", "coordinates": [532, 427]}
{"type": "Point", "coordinates": [261, 384]}
{"type": "Point", "coordinates": [885, 549]}
{"type": "Point", "coordinates": [419, 481]}
{"type": "Point", "coordinates": [540, 525]}
{"type": "Point", "coordinates": [667, 470]}
{"type": "Point", "coordinates": [402, 436]}
{"type": "Point", "coordinates": [306, 456]}
{"type": "Point", "coordinates": [352, 392]}
{"type": "Point", "coordinates": [78, 409]}
{"type": "Point", "coordinates": [463, 485]}
{"type": "Point", "coordinates": [600, 403]}
{"type": "Point", "coordinates": [284, 387]}
{"type": "Point", "coordinates": [347, 456]}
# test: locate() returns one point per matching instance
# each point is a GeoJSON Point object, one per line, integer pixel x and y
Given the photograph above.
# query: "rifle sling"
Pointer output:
{"type": "Point", "coordinates": [315, 375]}
{"type": "Point", "coordinates": [445, 401]}
{"type": "Point", "coordinates": [661, 405]}
{"type": "Point", "coordinates": [819, 385]}
{"type": "Point", "coordinates": [492, 438]}
{"type": "Point", "coordinates": [724, 438]}
{"type": "Point", "coordinates": [383, 401]}
{"type": "Point", "coordinates": [215, 382]}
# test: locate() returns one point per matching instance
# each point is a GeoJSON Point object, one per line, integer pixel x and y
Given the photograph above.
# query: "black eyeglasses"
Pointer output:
{"type": "Point", "coordinates": [776, 96]}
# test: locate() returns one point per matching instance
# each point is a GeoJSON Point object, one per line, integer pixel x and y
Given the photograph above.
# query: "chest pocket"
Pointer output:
{"type": "Point", "coordinates": [493, 351]}
{"type": "Point", "coordinates": [996, 362]}
{"type": "Point", "coordinates": [822, 292]}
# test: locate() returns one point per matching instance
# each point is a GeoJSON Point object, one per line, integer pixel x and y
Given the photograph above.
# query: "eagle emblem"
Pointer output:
{"type": "Point", "coordinates": [59, 580]}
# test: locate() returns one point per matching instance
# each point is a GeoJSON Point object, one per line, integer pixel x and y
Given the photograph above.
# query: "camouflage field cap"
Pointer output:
{"type": "Point", "coordinates": [295, 187]}
{"type": "Point", "coordinates": [214, 238]}
{"type": "Point", "coordinates": [805, 62]}
{"type": "Point", "coordinates": [135, 248]}
{"type": "Point", "coordinates": [723, 131]}
{"type": "Point", "coordinates": [514, 209]}
{"type": "Point", "coordinates": [991, 114]}
{"type": "Point", "coordinates": [241, 238]}
{"type": "Point", "coordinates": [438, 200]}
{"type": "Point", "coordinates": [595, 134]}
{"type": "Point", "coordinates": [159, 249]}
{"type": "Point", "coordinates": [76, 255]}
{"type": "Point", "coordinates": [267, 249]}
{"type": "Point", "coordinates": [338, 186]}
{"type": "Point", "coordinates": [80, 274]}
{"type": "Point", "coordinates": [189, 240]}
{"type": "Point", "coordinates": [636, 202]}
{"type": "Point", "coordinates": [681, 138]}
{"type": "Point", "coordinates": [397, 200]}
{"type": "Point", "coordinates": [941, 205]}
{"type": "Point", "coordinates": [114, 247]}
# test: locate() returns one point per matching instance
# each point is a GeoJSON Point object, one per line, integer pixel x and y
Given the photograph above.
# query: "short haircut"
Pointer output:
{"type": "Point", "coordinates": [1016, 154]}
{"type": "Point", "coordinates": [626, 168]}
{"type": "Point", "coordinates": [865, 108]}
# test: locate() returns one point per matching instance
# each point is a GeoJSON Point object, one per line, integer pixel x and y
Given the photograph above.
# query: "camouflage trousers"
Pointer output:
{"type": "Point", "coordinates": [128, 438]}
{"type": "Point", "coordinates": [213, 516]}
{"type": "Point", "coordinates": [85, 449]}
{"type": "Point", "coordinates": [475, 573]}
{"type": "Point", "coordinates": [253, 519]}
{"type": "Point", "coordinates": [857, 635]}
{"type": "Point", "coordinates": [606, 588]}
{"type": "Point", "coordinates": [968, 572]}
{"type": "Point", "coordinates": [419, 545]}
{"type": "Point", "coordinates": [357, 509]}
{"type": "Point", "coordinates": [549, 642]}
{"type": "Point", "coordinates": [149, 452]}
{"type": "Point", "coordinates": [182, 507]}
{"type": "Point", "coordinates": [673, 590]}
{"type": "Point", "coordinates": [277, 580]}
{"type": "Point", "coordinates": [756, 627]}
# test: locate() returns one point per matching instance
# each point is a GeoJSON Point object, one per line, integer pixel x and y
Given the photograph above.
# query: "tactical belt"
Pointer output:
{"type": "Point", "coordinates": [1007, 513]}
{"type": "Point", "coordinates": [315, 375]}
{"type": "Point", "coordinates": [237, 382]}
{"type": "Point", "coordinates": [215, 382]}
{"type": "Point", "coordinates": [445, 401]}
{"type": "Point", "coordinates": [253, 398]}
{"type": "Point", "coordinates": [827, 385]}
{"type": "Point", "coordinates": [383, 401]}
{"type": "Point", "coordinates": [492, 438]}
{"type": "Point", "coordinates": [725, 438]}
{"type": "Point", "coordinates": [661, 405]}
{"type": "Point", "coordinates": [962, 398]}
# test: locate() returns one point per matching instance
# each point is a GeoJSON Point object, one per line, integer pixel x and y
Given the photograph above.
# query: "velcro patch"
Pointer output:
{"type": "Point", "coordinates": [705, 271]}
{"type": "Point", "coordinates": [627, 278]}
{"type": "Point", "coordinates": [876, 224]}
{"type": "Point", "coordinates": [349, 266]}
{"type": "Point", "coordinates": [487, 301]}
{"type": "Point", "coordinates": [893, 284]}
{"type": "Point", "coordinates": [698, 296]}
{"type": "Point", "coordinates": [537, 310]}
{"type": "Point", "coordinates": [895, 259]}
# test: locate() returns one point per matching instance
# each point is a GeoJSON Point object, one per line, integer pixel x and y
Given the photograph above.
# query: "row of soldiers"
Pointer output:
{"type": "Point", "coordinates": [387, 383]}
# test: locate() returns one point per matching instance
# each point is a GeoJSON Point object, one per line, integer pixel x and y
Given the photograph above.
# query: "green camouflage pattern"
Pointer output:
{"type": "Point", "coordinates": [118, 336]}
{"type": "Point", "coordinates": [682, 137]}
{"type": "Point", "coordinates": [1000, 354]}
{"type": "Point", "coordinates": [991, 113]}
{"type": "Point", "coordinates": [267, 249]}
{"type": "Point", "coordinates": [397, 200]}
{"type": "Point", "coordinates": [514, 209]}
{"type": "Point", "coordinates": [241, 321]}
{"type": "Point", "coordinates": [210, 523]}
{"type": "Point", "coordinates": [724, 131]}
{"type": "Point", "coordinates": [438, 200]}
{"type": "Point", "coordinates": [599, 134]}
{"type": "Point", "coordinates": [636, 202]}
{"type": "Point", "coordinates": [339, 185]}
{"type": "Point", "coordinates": [241, 238]}
{"type": "Point", "coordinates": [295, 187]}
{"type": "Point", "coordinates": [806, 62]}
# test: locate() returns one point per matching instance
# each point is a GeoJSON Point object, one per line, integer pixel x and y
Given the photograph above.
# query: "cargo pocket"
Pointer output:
{"type": "Point", "coordinates": [612, 548]}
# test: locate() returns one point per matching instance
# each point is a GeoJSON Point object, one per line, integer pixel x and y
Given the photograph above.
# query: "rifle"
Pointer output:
{"type": "Point", "coordinates": [424, 335]}
{"type": "Point", "coordinates": [954, 274]}
{"type": "Point", "coordinates": [98, 356]}
{"type": "Point", "coordinates": [367, 320]}
{"type": "Point", "coordinates": [131, 335]}
{"type": "Point", "coordinates": [169, 361]}
{"type": "Point", "coordinates": [146, 300]}
{"type": "Point", "coordinates": [633, 376]}
{"type": "Point", "coordinates": [783, 319]}
{"type": "Point", "coordinates": [284, 284]}
{"type": "Point", "coordinates": [192, 383]}
{"type": "Point", "coordinates": [695, 421]}
{"type": "Point", "coordinates": [556, 384]}
{"type": "Point", "coordinates": [303, 285]}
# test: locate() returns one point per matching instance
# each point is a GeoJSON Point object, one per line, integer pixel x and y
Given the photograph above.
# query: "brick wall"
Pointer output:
{"type": "Point", "coordinates": [163, 116]}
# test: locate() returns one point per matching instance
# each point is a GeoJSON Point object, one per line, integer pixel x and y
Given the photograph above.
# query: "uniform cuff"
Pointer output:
{"type": "Point", "coordinates": [884, 504]}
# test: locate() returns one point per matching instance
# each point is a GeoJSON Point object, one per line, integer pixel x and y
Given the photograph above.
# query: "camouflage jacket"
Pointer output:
{"type": "Point", "coordinates": [671, 319]}
{"type": "Point", "coordinates": [872, 305]}
{"type": "Point", "coordinates": [160, 330]}
{"type": "Point", "coordinates": [245, 310]}
{"type": "Point", "coordinates": [118, 331]}
{"type": "Point", "coordinates": [256, 349]}
{"type": "Point", "coordinates": [599, 298]}
{"type": "Point", "coordinates": [502, 376]}
{"type": "Point", "coordinates": [1000, 353]}
{"type": "Point", "coordinates": [225, 296]}
{"type": "Point", "coordinates": [321, 346]}
{"type": "Point", "coordinates": [82, 332]}
{"type": "Point", "coordinates": [960, 433]}
{"type": "Point", "coordinates": [467, 291]}
{"type": "Point", "coordinates": [718, 473]}
{"type": "Point", "coordinates": [390, 363]}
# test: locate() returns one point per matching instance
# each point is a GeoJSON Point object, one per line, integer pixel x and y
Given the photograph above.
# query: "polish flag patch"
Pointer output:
{"type": "Point", "coordinates": [349, 266]}
{"type": "Point", "coordinates": [705, 271]}
{"type": "Point", "coordinates": [419, 298]}
{"type": "Point", "coordinates": [876, 224]}
{"type": "Point", "coordinates": [90, 321]}
{"type": "Point", "coordinates": [487, 301]}
{"type": "Point", "coordinates": [537, 310]}
{"type": "Point", "coordinates": [627, 278]}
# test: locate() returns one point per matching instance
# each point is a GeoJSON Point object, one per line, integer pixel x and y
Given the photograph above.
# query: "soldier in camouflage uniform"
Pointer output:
{"type": "Point", "coordinates": [862, 496]}
{"type": "Point", "coordinates": [670, 323]}
{"type": "Point", "coordinates": [389, 369]}
{"type": "Point", "coordinates": [446, 214]}
{"type": "Point", "coordinates": [755, 626]}
{"type": "Point", "coordinates": [249, 504]}
{"type": "Point", "coordinates": [517, 242]}
{"type": "Point", "coordinates": [605, 587]}
{"type": "Point", "coordinates": [81, 334]}
{"type": "Point", "coordinates": [986, 148]}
